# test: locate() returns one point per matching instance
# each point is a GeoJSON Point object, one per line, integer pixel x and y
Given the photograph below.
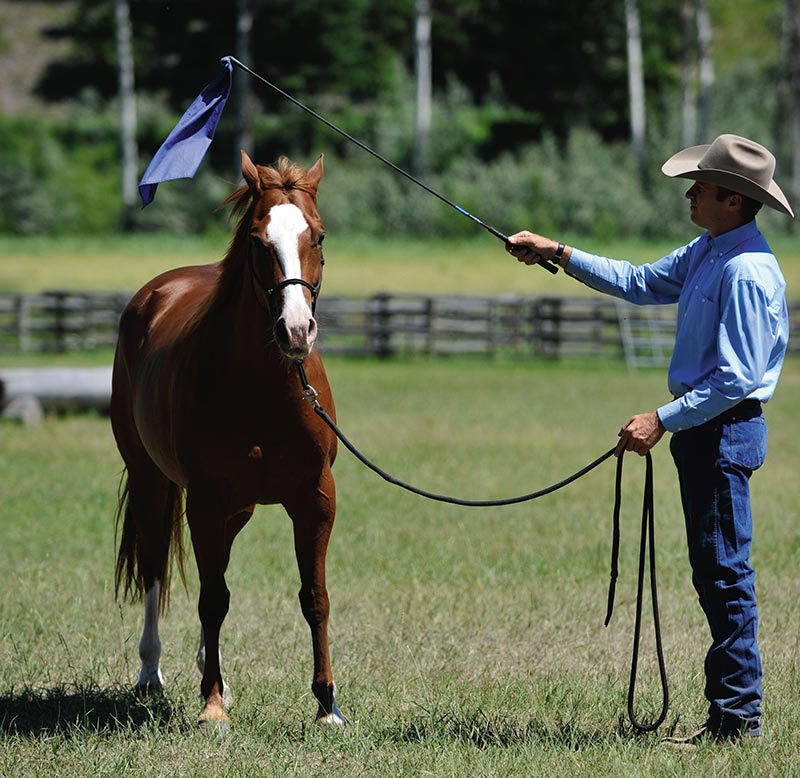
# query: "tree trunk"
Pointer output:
{"type": "Point", "coordinates": [706, 72]}
{"type": "Point", "coordinates": [127, 101]}
{"type": "Point", "coordinates": [791, 68]}
{"type": "Point", "coordinates": [688, 90]}
{"type": "Point", "coordinates": [242, 93]}
{"type": "Point", "coordinates": [422, 62]}
{"type": "Point", "coordinates": [636, 87]}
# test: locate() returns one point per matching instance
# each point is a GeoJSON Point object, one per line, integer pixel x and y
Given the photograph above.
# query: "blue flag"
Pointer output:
{"type": "Point", "coordinates": [182, 152]}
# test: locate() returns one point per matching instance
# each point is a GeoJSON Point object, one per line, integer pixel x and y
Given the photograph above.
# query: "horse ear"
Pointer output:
{"type": "Point", "coordinates": [316, 171]}
{"type": "Point", "coordinates": [250, 173]}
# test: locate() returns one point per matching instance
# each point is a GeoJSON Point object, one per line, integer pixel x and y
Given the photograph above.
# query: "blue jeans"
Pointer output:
{"type": "Point", "coordinates": [715, 462]}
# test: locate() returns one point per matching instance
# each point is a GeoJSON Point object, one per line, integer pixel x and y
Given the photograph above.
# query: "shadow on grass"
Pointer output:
{"type": "Point", "coordinates": [62, 710]}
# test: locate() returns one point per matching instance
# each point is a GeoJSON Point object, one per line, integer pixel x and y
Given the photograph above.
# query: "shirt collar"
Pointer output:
{"type": "Point", "coordinates": [728, 241]}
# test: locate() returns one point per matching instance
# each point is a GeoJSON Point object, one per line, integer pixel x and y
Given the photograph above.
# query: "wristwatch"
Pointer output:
{"type": "Point", "coordinates": [559, 253]}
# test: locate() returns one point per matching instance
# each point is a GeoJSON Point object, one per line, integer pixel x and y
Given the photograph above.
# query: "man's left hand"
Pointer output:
{"type": "Point", "coordinates": [640, 434]}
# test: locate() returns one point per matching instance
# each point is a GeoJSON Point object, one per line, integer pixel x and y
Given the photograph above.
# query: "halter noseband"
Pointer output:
{"type": "Point", "coordinates": [270, 291]}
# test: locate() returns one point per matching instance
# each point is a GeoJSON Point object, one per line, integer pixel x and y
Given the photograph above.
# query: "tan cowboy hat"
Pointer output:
{"type": "Point", "coordinates": [734, 163]}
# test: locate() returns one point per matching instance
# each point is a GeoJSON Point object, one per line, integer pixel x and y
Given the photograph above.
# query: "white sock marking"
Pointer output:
{"type": "Point", "coordinates": [150, 643]}
{"type": "Point", "coordinates": [227, 694]}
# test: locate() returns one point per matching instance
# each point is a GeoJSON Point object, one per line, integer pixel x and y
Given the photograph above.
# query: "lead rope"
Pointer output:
{"type": "Point", "coordinates": [310, 394]}
{"type": "Point", "coordinates": [648, 525]}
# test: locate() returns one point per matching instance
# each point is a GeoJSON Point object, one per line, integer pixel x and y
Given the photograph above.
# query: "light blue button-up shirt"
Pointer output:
{"type": "Point", "coordinates": [733, 322]}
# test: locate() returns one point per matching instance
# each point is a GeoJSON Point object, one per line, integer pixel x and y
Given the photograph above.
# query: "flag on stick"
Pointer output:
{"type": "Point", "coordinates": [182, 152]}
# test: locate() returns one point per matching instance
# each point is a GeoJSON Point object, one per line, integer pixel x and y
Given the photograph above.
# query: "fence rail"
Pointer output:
{"type": "Point", "coordinates": [385, 325]}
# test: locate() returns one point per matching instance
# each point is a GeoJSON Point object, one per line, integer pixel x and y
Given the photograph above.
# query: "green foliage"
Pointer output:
{"type": "Point", "coordinates": [523, 133]}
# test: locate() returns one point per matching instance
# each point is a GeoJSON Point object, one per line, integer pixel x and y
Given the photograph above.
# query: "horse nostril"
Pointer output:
{"type": "Point", "coordinates": [312, 327]}
{"type": "Point", "coordinates": [281, 330]}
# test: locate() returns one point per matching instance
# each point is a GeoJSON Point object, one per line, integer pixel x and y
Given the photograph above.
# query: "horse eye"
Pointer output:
{"type": "Point", "coordinates": [320, 239]}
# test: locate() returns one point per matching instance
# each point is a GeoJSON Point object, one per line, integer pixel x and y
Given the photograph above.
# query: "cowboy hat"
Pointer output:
{"type": "Point", "coordinates": [734, 163]}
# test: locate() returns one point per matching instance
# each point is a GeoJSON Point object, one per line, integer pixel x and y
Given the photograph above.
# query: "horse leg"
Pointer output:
{"type": "Point", "coordinates": [312, 514]}
{"type": "Point", "coordinates": [234, 526]}
{"type": "Point", "coordinates": [208, 529]}
{"type": "Point", "coordinates": [149, 516]}
{"type": "Point", "coordinates": [150, 677]}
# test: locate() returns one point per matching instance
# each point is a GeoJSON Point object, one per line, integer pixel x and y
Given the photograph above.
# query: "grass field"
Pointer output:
{"type": "Point", "coordinates": [355, 266]}
{"type": "Point", "coordinates": [465, 642]}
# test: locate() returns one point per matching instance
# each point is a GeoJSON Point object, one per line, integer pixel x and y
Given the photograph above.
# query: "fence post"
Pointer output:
{"type": "Point", "coordinates": [380, 325]}
{"type": "Point", "coordinates": [59, 321]}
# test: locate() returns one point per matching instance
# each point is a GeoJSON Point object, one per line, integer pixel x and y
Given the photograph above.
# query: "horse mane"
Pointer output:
{"type": "Point", "coordinates": [287, 176]}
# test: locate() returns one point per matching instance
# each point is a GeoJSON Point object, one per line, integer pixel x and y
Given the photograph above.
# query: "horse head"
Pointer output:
{"type": "Point", "coordinates": [286, 234]}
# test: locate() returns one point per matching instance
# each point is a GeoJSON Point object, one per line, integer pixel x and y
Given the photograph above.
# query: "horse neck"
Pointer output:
{"type": "Point", "coordinates": [254, 345]}
{"type": "Point", "coordinates": [237, 301]}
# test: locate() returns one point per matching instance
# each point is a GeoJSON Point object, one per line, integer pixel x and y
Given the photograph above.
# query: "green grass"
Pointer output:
{"type": "Point", "coordinates": [464, 641]}
{"type": "Point", "coordinates": [355, 265]}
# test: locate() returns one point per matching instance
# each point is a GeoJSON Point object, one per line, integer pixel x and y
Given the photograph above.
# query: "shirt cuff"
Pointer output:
{"type": "Point", "coordinates": [579, 263]}
{"type": "Point", "coordinates": [671, 416]}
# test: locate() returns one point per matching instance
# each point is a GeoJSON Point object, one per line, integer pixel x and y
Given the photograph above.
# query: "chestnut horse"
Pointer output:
{"type": "Point", "coordinates": [207, 402]}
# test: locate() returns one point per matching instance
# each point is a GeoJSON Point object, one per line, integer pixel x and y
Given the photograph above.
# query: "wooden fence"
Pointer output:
{"type": "Point", "coordinates": [58, 322]}
{"type": "Point", "coordinates": [384, 325]}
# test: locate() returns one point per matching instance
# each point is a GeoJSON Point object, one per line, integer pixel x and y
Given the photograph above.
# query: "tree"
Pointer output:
{"type": "Point", "coordinates": [636, 87]}
{"type": "Point", "coordinates": [706, 67]}
{"type": "Point", "coordinates": [127, 101]}
{"type": "Point", "coordinates": [791, 50]}
{"type": "Point", "coordinates": [241, 89]}
{"type": "Point", "coordinates": [688, 91]}
{"type": "Point", "coordinates": [422, 36]}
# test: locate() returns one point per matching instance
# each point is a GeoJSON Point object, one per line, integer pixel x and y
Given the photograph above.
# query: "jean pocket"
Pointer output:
{"type": "Point", "coordinates": [745, 443]}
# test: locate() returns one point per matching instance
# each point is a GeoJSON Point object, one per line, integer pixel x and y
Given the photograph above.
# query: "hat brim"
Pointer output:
{"type": "Point", "coordinates": [684, 165]}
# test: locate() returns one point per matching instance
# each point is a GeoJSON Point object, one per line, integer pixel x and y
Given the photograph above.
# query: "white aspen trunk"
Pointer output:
{"type": "Point", "coordinates": [791, 53]}
{"type": "Point", "coordinates": [688, 90]}
{"type": "Point", "coordinates": [636, 86]}
{"type": "Point", "coordinates": [706, 71]}
{"type": "Point", "coordinates": [127, 100]}
{"type": "Point", "coordinates": [423, 74]}
{"type": "Point", "coordinates": [241, 87]}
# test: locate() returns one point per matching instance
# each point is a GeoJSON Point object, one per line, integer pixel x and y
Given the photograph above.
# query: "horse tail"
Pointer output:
{"type": "Point", "coordinates": [129, 578]}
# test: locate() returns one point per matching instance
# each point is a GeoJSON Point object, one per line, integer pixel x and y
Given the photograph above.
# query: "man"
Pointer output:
{"type": "Point", "coordinates": [729, 347]}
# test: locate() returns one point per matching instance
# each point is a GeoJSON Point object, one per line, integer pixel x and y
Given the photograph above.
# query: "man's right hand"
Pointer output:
{"type": "Point", "coordinates": [530, 248]}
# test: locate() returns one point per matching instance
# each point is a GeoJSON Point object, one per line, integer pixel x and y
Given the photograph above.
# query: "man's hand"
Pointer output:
{"type": "Point", "coordinates": [640, 434]}
{"type": "Point", "coordinates": [530, 248]}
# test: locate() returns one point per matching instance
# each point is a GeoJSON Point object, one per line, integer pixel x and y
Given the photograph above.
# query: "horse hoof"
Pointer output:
{"type": "Point", "coordinates": [334, 719]}
{"type": "Point", "coordinates": [214, 727]}
{"type": "Point", "coordinates": [149, 690]}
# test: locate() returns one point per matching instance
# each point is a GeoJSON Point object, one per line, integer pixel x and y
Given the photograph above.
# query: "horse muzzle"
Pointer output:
{"type": "Point", "coordinates": [296, 338]}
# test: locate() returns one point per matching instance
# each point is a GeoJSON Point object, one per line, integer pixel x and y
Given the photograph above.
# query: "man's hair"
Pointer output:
{"type": "Point", "coordinates": [750, 207]}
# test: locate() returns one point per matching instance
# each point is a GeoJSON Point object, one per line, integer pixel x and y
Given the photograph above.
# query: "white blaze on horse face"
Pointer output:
{"type": "Point", "coordinates": [286, 224]}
